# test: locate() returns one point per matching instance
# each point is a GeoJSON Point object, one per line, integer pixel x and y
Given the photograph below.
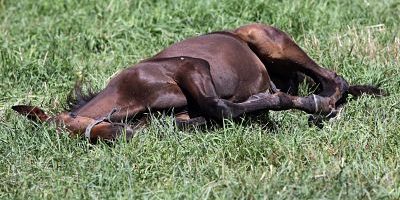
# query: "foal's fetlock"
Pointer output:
{"type": "Point", "coordinates": [324, 105]}
{"type": "Point", "coordinates": [221, 108]}
{"type": "Point", "coordinates": [315, 104]}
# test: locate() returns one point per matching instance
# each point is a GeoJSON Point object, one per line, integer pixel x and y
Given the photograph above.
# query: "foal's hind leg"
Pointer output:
{"type": "Point", "coordinates": [282, 56]}
{"type": "Point", "coordinates": [196, 80]}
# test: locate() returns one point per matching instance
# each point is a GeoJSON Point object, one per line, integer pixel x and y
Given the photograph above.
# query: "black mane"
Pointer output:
{"type": "Point", "coordinates": [78, 97]}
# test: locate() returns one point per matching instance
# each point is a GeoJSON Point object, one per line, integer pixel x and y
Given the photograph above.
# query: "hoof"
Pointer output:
{"type": "Point", "coordinates": [192, 122]}
{"type": "Point", "coordinates": [316, 120]}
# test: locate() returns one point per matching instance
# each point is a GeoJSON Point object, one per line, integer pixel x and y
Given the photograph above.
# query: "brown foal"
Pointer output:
{"type": "Point", "coordinates": [214, 76]}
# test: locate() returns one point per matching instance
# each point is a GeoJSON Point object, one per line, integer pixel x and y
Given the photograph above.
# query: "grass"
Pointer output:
{"type": "Point", "coordinates": [46, 45]}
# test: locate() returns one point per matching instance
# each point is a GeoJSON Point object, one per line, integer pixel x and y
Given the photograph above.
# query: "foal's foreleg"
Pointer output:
{"type": "Point", "coordinates": [312, 104]}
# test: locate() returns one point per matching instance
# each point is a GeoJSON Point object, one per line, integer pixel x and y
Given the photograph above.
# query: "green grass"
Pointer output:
{"type": "Point", "coordinates": [46, 45]}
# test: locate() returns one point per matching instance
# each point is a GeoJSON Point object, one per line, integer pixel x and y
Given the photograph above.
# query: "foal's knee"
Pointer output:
{"type": "Point", "coordinates": [220, 108]}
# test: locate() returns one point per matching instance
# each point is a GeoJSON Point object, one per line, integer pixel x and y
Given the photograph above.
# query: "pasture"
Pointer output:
{"type": "Point", "coordinates": [45, 46]}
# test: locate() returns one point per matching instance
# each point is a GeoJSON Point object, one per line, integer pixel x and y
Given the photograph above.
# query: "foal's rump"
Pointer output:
{"type": "Point", "coordinates": [236, 71]}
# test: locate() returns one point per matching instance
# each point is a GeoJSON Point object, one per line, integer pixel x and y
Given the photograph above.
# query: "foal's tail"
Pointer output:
{"type": "Point", "coordinates": [358, 90]}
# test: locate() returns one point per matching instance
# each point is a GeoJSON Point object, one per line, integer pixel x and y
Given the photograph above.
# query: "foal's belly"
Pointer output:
{"type": "Point", "coordinates": [236, 71]}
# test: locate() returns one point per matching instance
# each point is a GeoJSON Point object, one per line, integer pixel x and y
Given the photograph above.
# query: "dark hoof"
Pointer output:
{"type": "Point", "coordinates": [316, 120]}
{"type": "Point", "coordinates": [193, 122]}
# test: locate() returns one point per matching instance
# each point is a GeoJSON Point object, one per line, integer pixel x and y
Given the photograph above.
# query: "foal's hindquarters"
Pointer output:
{"type": "Point", "coordinates": [219, 75]}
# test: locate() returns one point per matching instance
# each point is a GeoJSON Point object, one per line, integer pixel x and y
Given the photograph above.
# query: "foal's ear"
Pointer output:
{"type": "Point", "coordinates": [31, 112]}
